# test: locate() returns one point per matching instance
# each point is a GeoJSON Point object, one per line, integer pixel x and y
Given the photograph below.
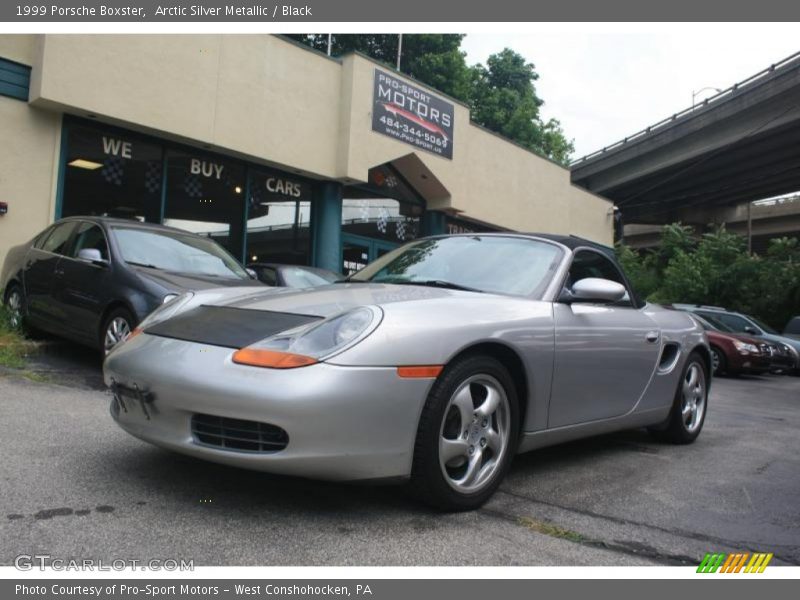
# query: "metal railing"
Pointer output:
{"type": "Point", "coordinates": [785, 63]}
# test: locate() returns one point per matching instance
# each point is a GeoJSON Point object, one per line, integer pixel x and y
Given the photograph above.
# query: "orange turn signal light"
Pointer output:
{"type": "Point", "coordinates": [420, 372]}
{"type": "Point", "coordinates": [134, 333]}
{"type": "Point", "coordinates": [271, 359]}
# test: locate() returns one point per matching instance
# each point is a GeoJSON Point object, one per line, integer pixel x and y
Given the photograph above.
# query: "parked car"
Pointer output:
{"type": "Point", "coordinates": [734, 354]}
{"type": "Point", "coordinates": [93, 279]}
{"type": "Point", "coordinates": [792, 328]}
{"type": "Point", "coordinates": [435, 364]}
{"type": "Point", "coordinates": [747, 325]}
{"type": "Point", "coordinates": [293, 276]}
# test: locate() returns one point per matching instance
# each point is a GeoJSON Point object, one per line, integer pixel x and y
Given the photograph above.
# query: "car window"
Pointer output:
{"type": "Point", "coordinates": [297, 277]}
{"type": "Point", "coordinates": [267, 275]}
{"type": "Point", "coordinates": [39, 240]}
{"type": "Point", "coordinates": [593, 264]}
{"type": "Point", "coordinates": [56, 242]}
{"type": "Point", "coordinates": [734, 322]}
{"type": "Point", "coordinates": [90, 235]}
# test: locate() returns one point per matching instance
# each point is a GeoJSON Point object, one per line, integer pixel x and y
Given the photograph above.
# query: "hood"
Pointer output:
{"type": "Point", "coordinates": [185, 282]}
{"type": "Point", "coordinates": [332, 299]}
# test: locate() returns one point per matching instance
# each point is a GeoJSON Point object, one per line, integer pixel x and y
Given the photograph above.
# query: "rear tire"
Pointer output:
{"type": "Point", "coordinates": [117, 326]}
{"type": "Point", "coordinates": [14, 302]}
{"type": "Point", "coordinates": [467, 435]}
{"type": "Point", "coordinates": [690, 405]}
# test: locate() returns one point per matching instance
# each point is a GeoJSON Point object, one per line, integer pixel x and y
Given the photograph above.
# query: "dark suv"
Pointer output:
{"type": "Point", "coordinates": [93, 279]}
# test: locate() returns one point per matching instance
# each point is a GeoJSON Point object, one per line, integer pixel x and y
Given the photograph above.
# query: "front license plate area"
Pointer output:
{"type": "Point", "coordinates": [133, 398]}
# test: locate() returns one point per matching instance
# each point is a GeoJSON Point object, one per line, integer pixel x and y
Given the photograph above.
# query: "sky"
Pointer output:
{"type": "Point", "coordinates": [607, 82]}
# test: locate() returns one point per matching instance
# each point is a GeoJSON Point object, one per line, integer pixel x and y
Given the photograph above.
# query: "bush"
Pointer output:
{"type": "Point", "coordinates": [717, 270]}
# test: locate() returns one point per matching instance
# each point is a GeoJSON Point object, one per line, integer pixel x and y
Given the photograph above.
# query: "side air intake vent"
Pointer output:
{"type": "Point", "coordinates": [669, 357]}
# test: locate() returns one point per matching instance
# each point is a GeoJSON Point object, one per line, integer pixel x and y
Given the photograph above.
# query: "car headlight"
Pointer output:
{"type": "Point", "coordinates": [744, 347]}
{"type": "Point", "coordinates": [307, 345]}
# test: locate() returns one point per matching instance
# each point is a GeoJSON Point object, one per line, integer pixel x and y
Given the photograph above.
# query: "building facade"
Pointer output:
{"type": "Point", "coordinates": [278, 152]}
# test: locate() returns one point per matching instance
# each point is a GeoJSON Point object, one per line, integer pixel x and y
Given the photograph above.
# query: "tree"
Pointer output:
{"type": "Point", "coordinates": [501, 95]}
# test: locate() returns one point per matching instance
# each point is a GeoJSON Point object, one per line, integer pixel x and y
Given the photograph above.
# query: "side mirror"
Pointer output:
{"type": "Point", "coordinates": [751, 330]}
{"type": "Point", "coordinates": [252, 273]}
{"type": "Point", "coordinates": [93, 256]}
{"type": "Point", "coordinates": [594, 289]}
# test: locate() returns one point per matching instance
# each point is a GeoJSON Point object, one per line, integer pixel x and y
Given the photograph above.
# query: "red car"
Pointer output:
{"type": "Point", "coordinates": [732, 353]}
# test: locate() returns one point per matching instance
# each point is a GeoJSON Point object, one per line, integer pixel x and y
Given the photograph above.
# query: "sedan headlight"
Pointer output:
{"type": "Point", "coordinates": [307, 345]}
{"type": "Point", "coordinates": [744, 347]}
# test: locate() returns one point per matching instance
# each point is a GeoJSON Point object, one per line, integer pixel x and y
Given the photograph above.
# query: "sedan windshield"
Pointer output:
{"type": "Point", "coordinates": [173, 251]}
{"type": "Point", "coordinates": [496, 264]}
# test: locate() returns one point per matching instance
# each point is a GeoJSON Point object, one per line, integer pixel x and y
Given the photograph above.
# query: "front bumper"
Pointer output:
{"type": "Point", "coordinates": [343, 423]}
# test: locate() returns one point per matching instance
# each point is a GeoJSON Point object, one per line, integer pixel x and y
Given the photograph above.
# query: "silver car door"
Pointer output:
{"type": "Point", "coordinates": [605, 354]}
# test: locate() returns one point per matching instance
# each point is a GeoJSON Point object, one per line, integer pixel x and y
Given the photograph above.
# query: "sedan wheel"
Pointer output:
{"type": "Point", "coordinates": [14, 305]}
{"type": "Point", "coordinates": [467, 434]}
{"type": "Point", "coordinates": [117, 329]}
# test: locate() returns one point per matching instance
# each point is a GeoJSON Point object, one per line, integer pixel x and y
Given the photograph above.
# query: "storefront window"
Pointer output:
{"type": "Point", "coordinates": [111, 174]}
{"type": "Point", "coordinates": [205, 195]}
{"type": "Point", "coordinates": [278, 219]}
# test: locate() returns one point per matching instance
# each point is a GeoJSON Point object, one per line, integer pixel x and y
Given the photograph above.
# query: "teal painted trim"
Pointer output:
{"type": "Point", "coordinates": [163, 210]}
{"type": "Point", "coordinates": [434, 223]}
{"type": "Point", "coordinates": [246, 214]}
{"type": "Point", "coordinates": [326, 226]}
{"type": "Point", "coordinates": [15, 80]}
{"type": "Point", "coordinates": [62, 168]}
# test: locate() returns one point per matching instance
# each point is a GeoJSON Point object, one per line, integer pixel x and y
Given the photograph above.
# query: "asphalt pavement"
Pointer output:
{"type": "Point", "coordinates": [76, 486]}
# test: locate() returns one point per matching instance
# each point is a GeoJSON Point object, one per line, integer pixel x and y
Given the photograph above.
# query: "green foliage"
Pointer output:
{"type": "Point", "coordinates": [501, 95]}
{"type": "Point", "coordinates": [717, 270]}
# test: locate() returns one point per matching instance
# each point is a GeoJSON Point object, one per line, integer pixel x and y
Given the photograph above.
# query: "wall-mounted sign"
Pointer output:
{"type": "Point", "coordinates": [412, 115]}
{"type": "Point", "coordinates": [268, 187]}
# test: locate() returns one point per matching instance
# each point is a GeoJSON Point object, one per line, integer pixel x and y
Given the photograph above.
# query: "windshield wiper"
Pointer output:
{"type": "Point", "coordinates": [138, 264]}
{"type": "Point", "coordinates": [439, 283]}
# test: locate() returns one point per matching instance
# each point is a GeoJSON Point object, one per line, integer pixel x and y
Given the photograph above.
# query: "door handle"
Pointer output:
{"type": "Point", "coordinates": [651, 336]}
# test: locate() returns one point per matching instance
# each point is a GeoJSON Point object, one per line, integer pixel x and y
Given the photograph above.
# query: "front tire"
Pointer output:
{"type": "Point", "coordinates": [718, 362]}
{"type": "Point", "coordinates": [467, 434]}
{"type": "Point", "coordinates": [689, 406]}
{"type": "Point", "coordinates": [117, 326]}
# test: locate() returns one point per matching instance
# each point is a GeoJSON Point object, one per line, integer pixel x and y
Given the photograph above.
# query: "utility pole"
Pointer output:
{"type": "Point", "coordinates": [749, 229]}
{"type": "Point", "coordinates": [330, 43]}
{"type": "Point", "coordinates": [399, 49]}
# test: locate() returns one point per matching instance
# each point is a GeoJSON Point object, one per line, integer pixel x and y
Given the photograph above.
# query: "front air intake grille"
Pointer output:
{"type": "Point", "coordinates": [238, 434]}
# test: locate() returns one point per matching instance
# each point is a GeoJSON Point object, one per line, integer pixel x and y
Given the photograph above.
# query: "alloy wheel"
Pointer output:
{"type": "Point", "coordinates": [693, 404]}
{"type": "Point", "coordinates": [117, 330]}
{"type": "Point", "coordinates": [715, 362]}
{"type": "Point", "coordinates": [474, 435]}
{"type": "Point", "coordinates": [14, 304]}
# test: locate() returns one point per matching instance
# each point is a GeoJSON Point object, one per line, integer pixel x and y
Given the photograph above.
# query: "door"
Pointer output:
{"type": "Point", "coordinates": [359, 251]}
{"type": "Point", "coordinates": [605, 354]}
{"type": "Point", "coordinates": [84, 288]}
{"type": "Point", "coordinates": [39, 274]}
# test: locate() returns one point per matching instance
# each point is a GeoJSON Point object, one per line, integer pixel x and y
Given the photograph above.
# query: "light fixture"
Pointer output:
{"type": "Point", "coordinates": [254, 257]}
{"type": "Point", "coordinates": [82, 163]}
{"type": "Point", "coordinates": [237, 189]}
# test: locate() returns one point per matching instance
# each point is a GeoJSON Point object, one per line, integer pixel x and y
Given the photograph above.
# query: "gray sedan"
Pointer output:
{"type": "Point", "coordinates": [433, 365]}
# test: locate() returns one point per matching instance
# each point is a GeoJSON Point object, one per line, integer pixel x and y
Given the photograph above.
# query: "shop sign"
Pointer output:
{"type": "Point", "coordinates": [412, 115]}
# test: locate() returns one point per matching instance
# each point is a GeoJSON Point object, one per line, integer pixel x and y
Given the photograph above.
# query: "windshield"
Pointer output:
{"type": "Point", "coordinates": [172, 251]}
{"type": "Point", "coordinates": [297, 277]}
{"type": "Point", "coordinates": [497, 264]}
{"type": "Point", "coordinates": [714, 323]}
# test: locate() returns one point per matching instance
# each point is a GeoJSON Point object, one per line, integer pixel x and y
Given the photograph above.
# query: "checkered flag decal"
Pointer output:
{"type": "Point", "coordinates": [363, 206]}
{"type": "Point", "coordinates": [152, 177]}
{"type": "Point", "coordinates": [400, 228]}
{"type": "Point", "coordinates": [113, 170]}
{"type": "Point", "coordinates": [193, 186]}
{"type": "Point", "coordinates": [383, 220]}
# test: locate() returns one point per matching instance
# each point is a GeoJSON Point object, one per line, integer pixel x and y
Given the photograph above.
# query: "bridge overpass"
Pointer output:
{"type": "Point", "coordinates": [740, 145]}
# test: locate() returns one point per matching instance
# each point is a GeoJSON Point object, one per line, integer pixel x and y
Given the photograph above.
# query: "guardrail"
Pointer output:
{"type": "Point", "coordinates": [786, 62]}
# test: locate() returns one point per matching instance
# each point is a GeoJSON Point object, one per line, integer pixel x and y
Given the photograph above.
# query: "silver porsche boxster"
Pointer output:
{"type": "Point", "coordinates": [435, 364]}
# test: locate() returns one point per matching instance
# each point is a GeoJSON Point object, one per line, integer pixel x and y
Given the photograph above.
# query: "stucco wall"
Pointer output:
{"type": "Point", "coordinates": [265, 99]}
{"type": "Point", "coordinates": [27, 170]}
